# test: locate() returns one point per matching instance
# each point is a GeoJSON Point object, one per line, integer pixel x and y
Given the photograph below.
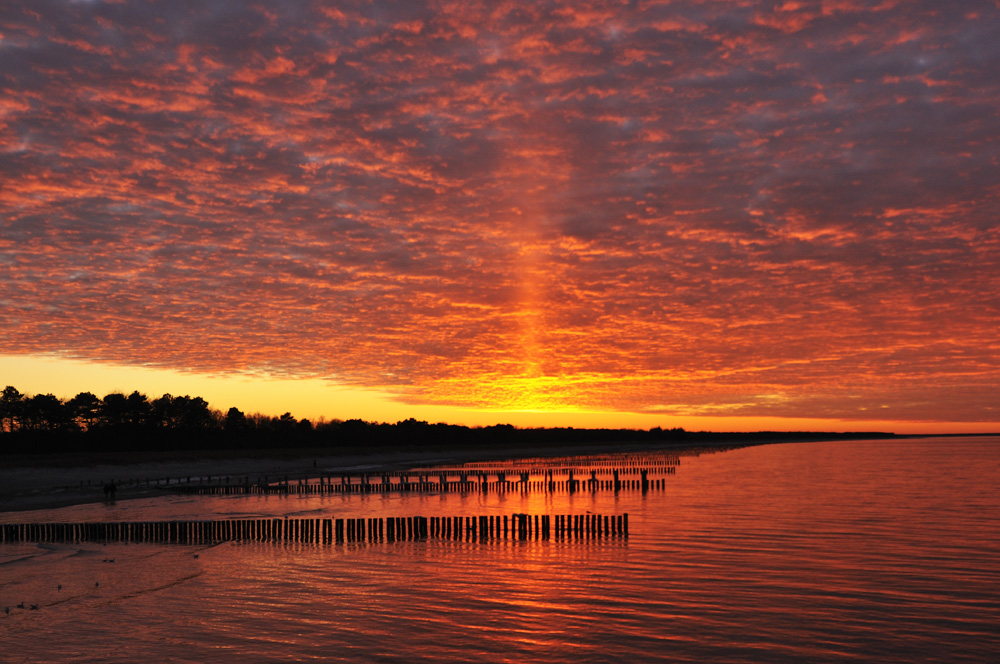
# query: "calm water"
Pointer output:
{"type": "Point", "coordinates": [864, 551]}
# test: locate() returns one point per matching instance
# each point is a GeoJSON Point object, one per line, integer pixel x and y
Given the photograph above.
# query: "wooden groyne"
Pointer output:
{"type": "Point", "coordinates": [515, 527]}
{"type": "Point", "coordinates": [619, 480]}
{"type": "Point", "coordinates": [500, 477]}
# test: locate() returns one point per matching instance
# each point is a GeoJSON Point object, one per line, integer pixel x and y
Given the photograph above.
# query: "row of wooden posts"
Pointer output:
{"type": "Point", "coordinates": [509, 468]}
{"type": "Point", "coordinates": [327, 531]}
{"type": "Point", "coordinates": [438, 480]}
{"type": "Point", "coordinates": [424, 483]}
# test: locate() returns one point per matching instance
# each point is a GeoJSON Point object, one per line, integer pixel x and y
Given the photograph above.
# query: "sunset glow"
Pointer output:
{"type": "Point", "coordinates": [714, 215]}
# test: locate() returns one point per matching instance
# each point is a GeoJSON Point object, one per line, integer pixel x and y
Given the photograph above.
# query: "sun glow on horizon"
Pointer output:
{"type": "Point", "coordinates": [317, 399]}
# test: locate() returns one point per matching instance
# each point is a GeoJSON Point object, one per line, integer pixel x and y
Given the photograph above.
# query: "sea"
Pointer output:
{"type": "Point", "coordinates": [847, 551]}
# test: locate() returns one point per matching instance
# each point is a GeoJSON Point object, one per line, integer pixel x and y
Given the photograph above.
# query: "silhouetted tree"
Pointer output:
{"type": "Point", "coordinates": [161, 412]}
{"type": "Point", "coordinates": [285, 426]}
{"type": "Point", "coordinates": [192, 413]}
{"type": "Point", "coordinates": [137, 410]}
{"type": "Point", "coordinates": [260, 422]}
{"type": "Point", "coordinates": [11, 403]}
{"type": "Point", "coordinates": [113, 411]}
{"type": "Point", "coordinates": [235, 421]}
{"type": "Point", "coordinates": [45, 412]}
{"type": "Point", "coordinates": [85, 408]}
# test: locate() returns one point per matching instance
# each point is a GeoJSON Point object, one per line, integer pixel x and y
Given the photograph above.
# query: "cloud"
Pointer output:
{"type": "Point", "coordinates": [787, 209]}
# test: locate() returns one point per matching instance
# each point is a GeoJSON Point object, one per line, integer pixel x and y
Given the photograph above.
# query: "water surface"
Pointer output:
{"type": "Point", "coordinates": [840, 551]}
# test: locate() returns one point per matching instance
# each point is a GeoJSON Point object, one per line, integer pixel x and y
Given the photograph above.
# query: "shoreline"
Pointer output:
{"type": "Point", "coordinates": [44, 482]}
{"type": "Point", "coordinates": [38, 482]}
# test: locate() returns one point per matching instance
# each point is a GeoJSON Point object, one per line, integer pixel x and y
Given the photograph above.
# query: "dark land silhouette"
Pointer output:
{"type": "Point", "coordinates": [46, 424]}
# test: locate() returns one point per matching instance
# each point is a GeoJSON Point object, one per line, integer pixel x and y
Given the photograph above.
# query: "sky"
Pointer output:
{"type": "Point", "coordinates": [722, 215]}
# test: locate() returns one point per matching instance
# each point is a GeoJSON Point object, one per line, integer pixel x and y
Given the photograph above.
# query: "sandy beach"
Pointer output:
{"type": "Point", "coordinates": [31, 482]}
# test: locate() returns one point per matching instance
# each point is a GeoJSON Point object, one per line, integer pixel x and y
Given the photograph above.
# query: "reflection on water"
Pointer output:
{"type": "Point", "coordinates": [868, 551]}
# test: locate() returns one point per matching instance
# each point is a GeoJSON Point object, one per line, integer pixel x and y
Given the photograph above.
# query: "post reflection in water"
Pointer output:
{"type": "Point", "coordinates": [865, 551]}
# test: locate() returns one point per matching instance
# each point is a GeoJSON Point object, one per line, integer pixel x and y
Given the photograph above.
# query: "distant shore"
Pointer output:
{"type": "Point", "coordinates": [36, 482]}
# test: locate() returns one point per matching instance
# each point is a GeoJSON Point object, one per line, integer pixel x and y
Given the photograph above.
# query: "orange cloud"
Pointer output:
{"type": "Point", "coordinates": [694, 208]}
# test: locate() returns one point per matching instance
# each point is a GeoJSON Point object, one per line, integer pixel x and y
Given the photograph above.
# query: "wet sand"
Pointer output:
{"type": "Point", "coordinates": [31, 482]}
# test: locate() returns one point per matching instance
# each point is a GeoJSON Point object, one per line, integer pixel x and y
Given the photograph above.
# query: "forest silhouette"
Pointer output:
{"type": "Point", "coordinates": [44, 423]}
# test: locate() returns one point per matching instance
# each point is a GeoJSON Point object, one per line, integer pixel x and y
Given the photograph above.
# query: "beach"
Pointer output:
{"type": "Point", "coordinates": [32, 482]}
{"type": "Point", "coordinates": [42, 482]}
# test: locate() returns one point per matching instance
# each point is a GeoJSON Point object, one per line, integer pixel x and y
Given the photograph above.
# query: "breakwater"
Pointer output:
{"type": "Point", "coordinates": [515, 527]}
{"type": "Point", "coordinates": [593, 480]}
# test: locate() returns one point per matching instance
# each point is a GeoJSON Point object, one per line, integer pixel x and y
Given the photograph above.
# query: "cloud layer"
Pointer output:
{"type": "Point", "coordinates": [695, 207]}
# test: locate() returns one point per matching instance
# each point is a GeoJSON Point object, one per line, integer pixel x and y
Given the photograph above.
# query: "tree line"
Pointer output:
{"type": "Point", "coordinates": [87, 412]}
{"type": "Point", "coordinates": [134, 421]}
{"type": "Point", "coordinates": [44, 423]}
